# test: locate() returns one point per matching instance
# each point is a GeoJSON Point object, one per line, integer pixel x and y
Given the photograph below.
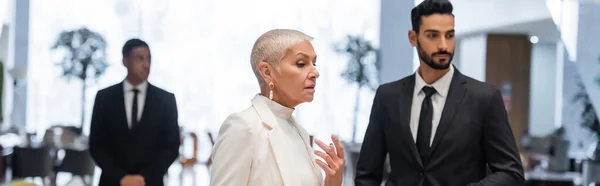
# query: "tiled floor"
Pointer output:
{"type": "Point", "coordinates": [196, 176]}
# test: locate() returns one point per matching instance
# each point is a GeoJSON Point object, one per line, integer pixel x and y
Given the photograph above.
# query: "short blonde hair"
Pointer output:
{"type": "Point", "coordinates": [271, 47]}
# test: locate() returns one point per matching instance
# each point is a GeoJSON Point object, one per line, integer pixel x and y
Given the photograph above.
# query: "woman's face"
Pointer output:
{"type": "Point", "coordinates": [296, 76]}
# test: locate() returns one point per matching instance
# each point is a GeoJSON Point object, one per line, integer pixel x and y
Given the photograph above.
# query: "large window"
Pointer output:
{"type": "Point", "coordinates": [201, 52]}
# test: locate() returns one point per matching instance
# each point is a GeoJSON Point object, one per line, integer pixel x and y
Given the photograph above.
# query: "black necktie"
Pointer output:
{"type": "Point", "coordinates": [134, 108]}
{"type": "Point", "coordinates": [425, 120]}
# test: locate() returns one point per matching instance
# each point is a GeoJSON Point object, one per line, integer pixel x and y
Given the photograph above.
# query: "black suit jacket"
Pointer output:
{"type": "Point", "coordinates": [147, 149]}
{"type": "Point", "coordinates": [473, 132]}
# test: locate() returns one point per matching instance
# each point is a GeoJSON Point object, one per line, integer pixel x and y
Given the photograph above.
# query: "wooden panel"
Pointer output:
{"type": "Point", "coordinates": [508, 61]}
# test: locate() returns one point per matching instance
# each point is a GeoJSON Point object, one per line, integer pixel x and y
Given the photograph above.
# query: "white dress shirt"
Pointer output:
{"type": "Point", "coordinates": [438, 100]}
{"type": "Point", "coordinates": [128, 93]}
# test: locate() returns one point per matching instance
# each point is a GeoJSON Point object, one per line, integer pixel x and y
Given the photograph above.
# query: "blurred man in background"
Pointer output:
{"type": "Point", "coordinates": [134, 136]}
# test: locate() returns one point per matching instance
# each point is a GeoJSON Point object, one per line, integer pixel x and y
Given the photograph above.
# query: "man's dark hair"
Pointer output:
{"type": "Point", "coordinates": [429, 7]}
{"type": "Point", "coordinates": [131, 44]}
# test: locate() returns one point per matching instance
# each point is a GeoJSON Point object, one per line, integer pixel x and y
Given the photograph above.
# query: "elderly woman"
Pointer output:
{"type": "Point", "coordinates": [264, 145]}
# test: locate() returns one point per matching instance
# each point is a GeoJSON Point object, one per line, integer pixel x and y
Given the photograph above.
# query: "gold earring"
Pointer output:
{"type": "Point", "coordinates": [271, 86]}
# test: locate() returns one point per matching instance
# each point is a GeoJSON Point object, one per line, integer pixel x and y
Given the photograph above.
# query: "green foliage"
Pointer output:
{"type": "Point", "coordinates": [589, 119]}
{"type": "Point", "coordinates": [85, 53]}
{"type": "Point", "coordinates": [84, 57]}
{"type": "Point", "coordinates": [362, 69]}
{"type": "Point", "coordinates": [363, 61]}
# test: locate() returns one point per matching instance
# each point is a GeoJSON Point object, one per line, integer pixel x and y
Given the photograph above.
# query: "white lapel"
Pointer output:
{"type": "Point", "coordinates": [275, 135]}
{"type": "Point", "coordinates": [309, 149]}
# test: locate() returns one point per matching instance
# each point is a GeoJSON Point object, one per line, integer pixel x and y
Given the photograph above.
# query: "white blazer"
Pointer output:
{"type": "Point", "coordinates": [248, 150]}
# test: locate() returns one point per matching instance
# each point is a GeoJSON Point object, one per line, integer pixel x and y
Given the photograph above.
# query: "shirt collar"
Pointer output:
{"type": "Point", "coordinates": [142, 87]}
{"type": "Point", "coordinates": [441, 86]}
{"type": "Point", "coordinates": [278, 110]}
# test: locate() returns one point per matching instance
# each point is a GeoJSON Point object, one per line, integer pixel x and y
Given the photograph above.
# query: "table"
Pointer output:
{"type": "Point", "coordinates": [544, 178]}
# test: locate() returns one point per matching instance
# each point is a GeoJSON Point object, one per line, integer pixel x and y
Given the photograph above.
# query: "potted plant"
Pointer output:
{"type": "Point", "coordinates": [84, 58]}
{"type": "Point", "coordinates": [589, 120]}
{"type": "Point", "coordinates": [362, 69]}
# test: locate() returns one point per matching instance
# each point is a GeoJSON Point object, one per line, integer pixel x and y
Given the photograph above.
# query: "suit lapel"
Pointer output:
{"type": "Point", "coordinates": [309, 150]}
{"type": "Point", "coordinates": [279, 152]}
{"type": "Point", "coordinates": [455, 97]}
{"type": "Point", "coordinates": [404, 114]}
{"type": "Point", "coordinates": [275, 135]}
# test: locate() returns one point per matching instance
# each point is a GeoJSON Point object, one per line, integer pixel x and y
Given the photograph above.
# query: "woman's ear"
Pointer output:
{"type": "Point", "coordinates": [265, 71]}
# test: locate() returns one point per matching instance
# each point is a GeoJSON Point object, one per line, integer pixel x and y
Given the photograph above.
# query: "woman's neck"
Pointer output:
{"type": "Point", "coordinates": [278, 99]}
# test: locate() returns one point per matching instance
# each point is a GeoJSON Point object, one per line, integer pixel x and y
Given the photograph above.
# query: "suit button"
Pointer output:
{"type": "Point", "coordinates": [421, 174]}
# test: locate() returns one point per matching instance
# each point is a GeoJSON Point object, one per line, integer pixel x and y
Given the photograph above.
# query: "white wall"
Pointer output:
{"type": "Point", "coordinates": [4, 11]}
{"type": "Point", "coordinates": [565, 15]}
{"type": "Point", "coordinates": [4, 42]}
{"type": "Point", "coordinates": [396, 51]}
{"type": "Point", "coordinates": [4, 35]}
{"type": "Point", "coordinates": [18, 57]}
{"type": "Point", "coordinates": [543, 89]}
{"type": "Point", "coordinates": [474, 16]}
{"type": "Point", "coordinates": [588, 54]}
{"type": "Point", "coordinates": [471, 56]}
{"type": "Point", "coordinates": [587, 67]}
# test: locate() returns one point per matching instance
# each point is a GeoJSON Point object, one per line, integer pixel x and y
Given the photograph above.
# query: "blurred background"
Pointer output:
{"type": "Point", "coordinates": [542, 54]}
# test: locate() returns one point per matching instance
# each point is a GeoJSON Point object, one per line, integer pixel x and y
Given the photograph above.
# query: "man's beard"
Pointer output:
{"type": "Point", "coordinates": [429, 59]}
